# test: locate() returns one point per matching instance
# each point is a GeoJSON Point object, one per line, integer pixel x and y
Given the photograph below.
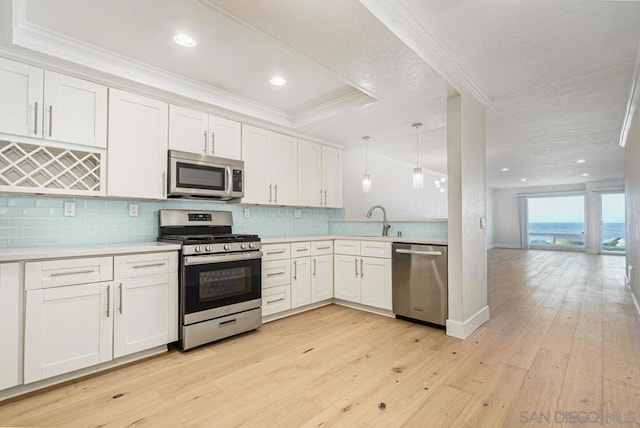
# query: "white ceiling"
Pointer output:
{"type": "Point", "coordinates": [558, 71]}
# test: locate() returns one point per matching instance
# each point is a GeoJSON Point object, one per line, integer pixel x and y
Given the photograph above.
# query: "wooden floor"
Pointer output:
{"type": "Point", "coordinates": [563, 338]}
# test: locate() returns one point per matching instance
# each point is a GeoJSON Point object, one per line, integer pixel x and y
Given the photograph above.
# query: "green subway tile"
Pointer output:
{"type": "Point", "coordinates": [49, 203]}
{"type": "Point", "coordinates": [21, 202]}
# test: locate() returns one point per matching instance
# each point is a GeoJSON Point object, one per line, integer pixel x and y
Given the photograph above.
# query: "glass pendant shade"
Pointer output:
{"type": "Point", "coordinates": [366, 183]}
{"type": "Point", "coordinates": [418, 178]}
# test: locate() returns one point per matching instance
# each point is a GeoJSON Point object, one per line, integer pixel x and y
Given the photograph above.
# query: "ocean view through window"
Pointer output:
{"type": "Point", "coordinates": [613, 227]}
{"type": "Point", "coordinates": [556, 222]}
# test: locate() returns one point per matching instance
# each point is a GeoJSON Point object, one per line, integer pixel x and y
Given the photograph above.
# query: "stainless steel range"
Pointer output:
{"type": "Point", "coordinates": [220, 275]}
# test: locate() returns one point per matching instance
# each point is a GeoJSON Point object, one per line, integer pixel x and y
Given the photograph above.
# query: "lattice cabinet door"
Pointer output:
{"type": "Point", "coordinates": [26, 168]}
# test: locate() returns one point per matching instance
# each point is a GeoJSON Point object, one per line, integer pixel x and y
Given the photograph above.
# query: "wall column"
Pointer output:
{"type": "Point", "coordinates": [466, 167]}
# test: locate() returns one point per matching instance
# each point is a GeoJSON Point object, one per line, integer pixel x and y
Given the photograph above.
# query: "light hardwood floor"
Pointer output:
{"type": "Point", "coordinates": [563, 338]}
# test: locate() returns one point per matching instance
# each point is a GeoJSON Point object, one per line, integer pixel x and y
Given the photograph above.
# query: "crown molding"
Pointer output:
{"type": "Point", "coordinates": [349, 101]}
{"type": "Point", "coordinates": [395, 15]}
{"type": "Point", "coordinates": [632, 105]}
{"type": "Point", "coordinates": [59, 46]}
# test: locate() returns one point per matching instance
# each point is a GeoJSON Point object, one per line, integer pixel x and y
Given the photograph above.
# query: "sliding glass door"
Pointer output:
{"type": "Point", "coordinates": [612, 223]}
{"type": "Point", "coordinates": [556, 222]}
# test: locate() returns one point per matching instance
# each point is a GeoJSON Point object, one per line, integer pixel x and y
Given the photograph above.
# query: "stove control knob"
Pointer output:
{"type": "Point", "coordinates": [207, 248]}
{"type": "Point", "coordinates": [252, 245]}
{"type": "Point", "coordinates": [227, 247]}
{"type": "Point", "coordinates": [243, 246]}
{"type": "Point", "coordinates": [198, 248]}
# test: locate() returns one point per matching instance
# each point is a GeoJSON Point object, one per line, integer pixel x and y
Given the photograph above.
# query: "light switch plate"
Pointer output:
{"type": "Point", "coordinates": [297, 213]}
{"type": "Point", "coordinates": [247, 212]}
{"type": "Point", "coordinates": [483, 223]}
{"type": "Point", "coordinates": [133, 210]}
{"type": "Point", "coordinates": [69, 209]}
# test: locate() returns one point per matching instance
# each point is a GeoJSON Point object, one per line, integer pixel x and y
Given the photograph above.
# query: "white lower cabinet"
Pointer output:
{"type": "Point", "coordinates": [9, 325]}
{"type": "Point", "coordinates": [361, 279]}
{"type": "Point", "coordinates": [276, 299]}
{"type": "Point", "coordinates": [321, 278]}
{"type": "Point", "coordinates": [78, 325]}
{"type": "Point", "coordinates": [300, 281]}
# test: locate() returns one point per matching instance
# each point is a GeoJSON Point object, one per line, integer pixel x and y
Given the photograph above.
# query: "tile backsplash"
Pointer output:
{"type": "Point", "coordinates": [37, 221]}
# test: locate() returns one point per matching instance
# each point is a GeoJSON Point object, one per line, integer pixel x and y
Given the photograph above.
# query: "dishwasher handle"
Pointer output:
{"type": "Point", "coordinates": [417, 252]}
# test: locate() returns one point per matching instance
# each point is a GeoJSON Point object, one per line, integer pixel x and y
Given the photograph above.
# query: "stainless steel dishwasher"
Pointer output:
{"type": "Point", "coordinates": [420, 282]}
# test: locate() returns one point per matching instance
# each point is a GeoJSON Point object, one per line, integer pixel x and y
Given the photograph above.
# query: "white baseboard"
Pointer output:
{"type": "Point", "coordinates": [462, 330]}
{"type": "Point", "coordinates": [295, 311]}
{"type": "Point", "coordinates": [365, 308]}
{"type": "Point", "coordinates": [513, 246]}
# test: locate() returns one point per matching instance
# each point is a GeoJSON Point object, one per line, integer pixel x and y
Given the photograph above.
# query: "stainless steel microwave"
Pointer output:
{"type": "Point", "coordinates": [204, 177]}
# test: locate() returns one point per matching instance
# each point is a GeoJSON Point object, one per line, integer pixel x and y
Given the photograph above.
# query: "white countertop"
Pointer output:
{"type": "Point", "coordinates": [37, 253]}
{"type": "Point", "coordinates": [283, 239]}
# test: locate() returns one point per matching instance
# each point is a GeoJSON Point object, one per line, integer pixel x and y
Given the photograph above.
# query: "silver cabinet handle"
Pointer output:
{"type": "Point", "coordinates": [295, 270]}
{"type": "Point", "coordinates": [356, 260]}
{"type": "Point", "coordinates": [275, 274]}
{"type": "Point", "coordinates": [35, 121]}
{"type": "Point", "coordinates": [302, 249]}
{"type": "Point", "coordinates": [314, 267]}
{"type": "Point", "coordinates": [325, 198]}
{"type": "Point", "coordinates": [420, 253]}
{"type": "Point", "coordinates": [120, 301]}
{"type": "Point", "coordinates": [75, 272]}
{"type": "Point", "coordinates": [323, 248]}
{"type": "Point", "coordinates": [274, 301]}
{"type": "Point", "coordinates": [276, 191]}
{"type": "Point", "coordinates": [270, 186]}
{"type": "Point", "coordinates": [213, 143]}
{"type": "Point", "coordinates": [276, 252]}
{"type": "Point", "coordinates": [50, 120]}
{"type": "Point", "coordinates": [206, 142]}
{"type": "Point", "coordinates": [108, 300]}
{"type": "Point", "coordinates": [149, 265]}
{"type": "Point", "coordinates": [320, 197]}
{"type": "Point", "coordinates": [164, 184]}
{"type": "Point", "coordinates": [361, 269]}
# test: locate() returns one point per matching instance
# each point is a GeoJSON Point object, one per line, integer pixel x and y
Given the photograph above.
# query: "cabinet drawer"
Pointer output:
{"type": "Point", "coordinates": [275, 273]}
{"type": "Point", "coordinates": [275, 300]}
{"type": "Point", "coordinates": [300, 249]}
{"type": "Point", "coordinates": [348, 247]}
{"type": "Point", "coordinates": [136, 265]}
{"type": "Point", "coordinates": [276, 252]}
{"type": "Point", "coordinates": [319, 248]}
{"type": "Point", "coordinates": [58, 273]}
{"type": "Point", "coordinates": [376, 249]}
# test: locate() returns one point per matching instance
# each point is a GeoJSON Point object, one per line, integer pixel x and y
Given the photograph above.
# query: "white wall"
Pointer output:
{"type": "Point", "coordinates": [391, 188]}
{"type": "Point", "coordinates": [466, 156]}
{"type": "Point", "coordinates": [632, 201]}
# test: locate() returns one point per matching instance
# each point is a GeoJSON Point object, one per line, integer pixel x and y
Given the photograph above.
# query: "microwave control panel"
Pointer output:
{"type": "Point", "coordinates": [237, 180]}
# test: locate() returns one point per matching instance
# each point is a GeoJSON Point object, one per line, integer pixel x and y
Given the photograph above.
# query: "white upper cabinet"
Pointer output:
{"type": "Point", "coordinates": [225, 137]}
{"type": "Point", "coordinates": [44, 104]}
{"type": "Point", "coordinates": [75, 110]}
{"type": "Point", "coordinates": [197, 132]}
{"type": "Point", "coordinates": [21, 108]}
{"type": "Point", "coordinates": [310, 174]}
{"type": "Point", "coordinates": [270, 163]}
{"type": "Point", "coordinates": [332, 177]}
{"type": "Point", "coordinates": [138, 142]}
{"type": "Point", "coordinates": [319, 175]}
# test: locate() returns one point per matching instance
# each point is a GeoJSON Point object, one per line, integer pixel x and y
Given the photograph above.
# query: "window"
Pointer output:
{"type": "Point", "coordinates": [556, 222]}
{"type": "Point", "coordinates": [613, 237]}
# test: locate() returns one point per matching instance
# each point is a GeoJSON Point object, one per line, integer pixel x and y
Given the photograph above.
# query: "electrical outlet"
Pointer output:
{"type": "Point", "coordinates": [133, 210]}
{"type": "Point", "coordinates": [69, 209]}
{"type": "Point", "coordinates": [297, 213]}
{"type": "Point", "coordinates": [247, 212]}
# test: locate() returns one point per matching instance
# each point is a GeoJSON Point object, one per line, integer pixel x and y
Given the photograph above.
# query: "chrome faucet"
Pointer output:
{"type": "Point", "coordinates": [385, 225]}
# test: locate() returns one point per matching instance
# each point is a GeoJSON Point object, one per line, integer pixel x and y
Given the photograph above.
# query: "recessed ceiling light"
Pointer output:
{"type": "Point", "coordinates": [505, 169]}
{"type": "Point", "coordinates": [278, 81]}
{"type": "Point", "coordinates": [523, 179]}
{"type": "Point", "coordinates": [184, 40]}
{"type": "Point", "coordinates": [585, 174]}
{"type": "Point", "coordinates": [581, 161]}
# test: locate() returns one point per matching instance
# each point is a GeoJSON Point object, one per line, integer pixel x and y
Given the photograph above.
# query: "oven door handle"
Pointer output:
{"type": "Point", "coordinates": [218, 258]}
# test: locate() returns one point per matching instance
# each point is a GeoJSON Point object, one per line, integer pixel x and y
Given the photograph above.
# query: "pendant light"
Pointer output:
{"type": "Point", "coordinates": [366, 177]}
{"type": "Point", "coordinates": [418, 177]}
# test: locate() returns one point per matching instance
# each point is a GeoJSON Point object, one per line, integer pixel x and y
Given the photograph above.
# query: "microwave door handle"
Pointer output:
{"type": "Point", "coordinates": [228, 179]}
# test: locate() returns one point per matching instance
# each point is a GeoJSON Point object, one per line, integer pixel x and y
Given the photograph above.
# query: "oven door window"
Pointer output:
{"type": "Point", "coordinates": [214, 285]}
{"type": "Point", "coordinates": [191, 176]}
